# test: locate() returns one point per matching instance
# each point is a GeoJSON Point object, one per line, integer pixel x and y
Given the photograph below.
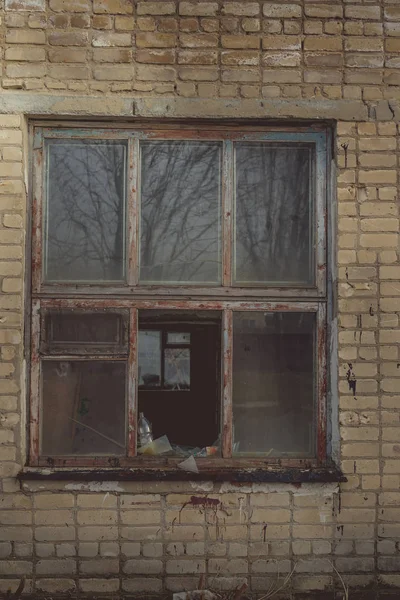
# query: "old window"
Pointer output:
{"type": "Point", "coordinates": [179, 295]}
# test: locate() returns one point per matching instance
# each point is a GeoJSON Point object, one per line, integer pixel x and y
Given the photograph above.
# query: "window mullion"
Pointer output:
{"type": "Point", "coordinates": [227, 207]}
{"type": "Point", "coordinates": [38, 203]}
{"type": "Point", "coordinates": [132, 383]}
{"type": "Point", "coordinates": [227, 375]}
{"type": "Point", "coordinates": [132, 208]}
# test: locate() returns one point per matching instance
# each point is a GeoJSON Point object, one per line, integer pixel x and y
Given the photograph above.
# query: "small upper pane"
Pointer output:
{"type": "Point", "coordinates": [274, 214]}
{"type": "Point", "coordinates": [84, 237]}
{"type": "Point", "coordinates": [180, 212]}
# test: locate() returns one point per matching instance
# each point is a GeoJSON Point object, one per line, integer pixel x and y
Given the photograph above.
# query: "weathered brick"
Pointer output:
{"type": "Point", "coordinates": [283, 10]}
{"type": "Point", "coordinates": [70, 6]}
{"type": "Point", "coordinates": [114, 7]}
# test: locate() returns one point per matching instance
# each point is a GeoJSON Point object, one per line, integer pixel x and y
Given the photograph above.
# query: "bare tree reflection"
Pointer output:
{"type": "Point", "coordinates": [85, 219]}
{"type": "Point", "coordinates": [180, 222]}
{"type": "Point", "coordinates": [273, 236]}
{"type": "Point", "coordinates": [180, 212]}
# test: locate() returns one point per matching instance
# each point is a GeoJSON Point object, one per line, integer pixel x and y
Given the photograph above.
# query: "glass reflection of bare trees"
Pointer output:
{"type": "Point", "coordinates": [180, 212]}
{"type": "Point", "coordinates": [85, 220]}
{"type": "Point", "coordinates": [273, 236]}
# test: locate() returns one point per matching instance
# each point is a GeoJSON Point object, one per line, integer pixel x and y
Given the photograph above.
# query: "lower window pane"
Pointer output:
{"type": "Point", "coordinates": [179, 354]}
{"type": "Point", "coordinates": [83, 408]}
{"type": "Point", "coordinates": [274, 384]}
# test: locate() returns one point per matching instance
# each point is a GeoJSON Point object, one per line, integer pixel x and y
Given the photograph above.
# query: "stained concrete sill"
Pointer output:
{"type": "Point", "coordinates": [324, 474]}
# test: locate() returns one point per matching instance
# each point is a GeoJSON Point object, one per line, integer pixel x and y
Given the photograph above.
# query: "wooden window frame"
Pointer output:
{"type": "Point", "coordinates": [130, 297]}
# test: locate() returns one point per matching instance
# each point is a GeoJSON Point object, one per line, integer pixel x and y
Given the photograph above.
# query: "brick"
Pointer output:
{"type": "Point", "coordinates": [59, 534]}
{"type": "Point", "coordinates": [15, 36]}
{"type": "Point", "coordinates": [323, 11]}
{"type": "Point", "coordinates": [187, 566]}
{"type": "Point", "coordinates": [56, 567]}
{"type": "Point", "coordinates": [114, 7]}
{"type": "Point", "coordinates": [25, 5]}
{"type": "Point", "coordinates": [14, 567]}
{"type": "Point", "coordinates": [198, 9]}
{"type": "Point", "coordinates": [113, 73]}
{"type": "Point", "coordinates": [67, 55]}
{"type": "Point", "coordinates": [106, 40]}
{"type": "Point", "coordinates": [198, 40]}
{"type": "Point", "coordinates": [202, 57]}
{"type": "Point", "coordinates": [100, 566]}
{"type": "Point", "coordinates": [70, 38]}
{"type": "Point", "coordinates": [54, 517]}
{"type": "Point", "coordinates": [240, 41]}
{"type": "Point", "coordinates": [362, 12]}
{"type": "Point", "coordinates": [323, 43]}
{"type": "Point", "coordinates": [155, 40]}
{"type": "Point", "coordinates": [27, 53]}
{"type": "Point", "coordinates": [143, 566]}
{"type": "Point", "coordinates": [155, 8]}
{"type": "Point", "coordinates": [70, 6]}
{"type": "Point", "coordinates": [155, 73]}
{"type": "Point", "coordinates": [241, 9]}
{"type": "Point", "coordinates": [54, 586]}
{"type": "Point", "coordinates": [142, 584]}
{"type": "Point", "coordinates": [141, 517]}
{"type": "Point", "coordinates": [99, 585]}
{"type": "Point", "coordinates": [282, 11]}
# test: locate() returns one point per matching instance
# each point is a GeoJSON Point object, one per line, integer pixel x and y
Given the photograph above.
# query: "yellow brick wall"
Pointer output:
{"type": "Point", "coordinates": [305, 59]}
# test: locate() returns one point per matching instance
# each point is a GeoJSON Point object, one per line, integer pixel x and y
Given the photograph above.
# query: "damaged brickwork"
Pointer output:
{"type": "Point", "coordinates": [336, 61]}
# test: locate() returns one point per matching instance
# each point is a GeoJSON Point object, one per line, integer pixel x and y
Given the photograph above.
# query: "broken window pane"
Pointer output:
{"type": "Point", "coordinates": [83, 407]}
{"type": "Point", "coordinates": [180, 212]}
{"type": "Point", "coordinates": [85, 212]}
{"type": "Point", "coordinates": [177, 368]}
{"type": "Point", "coordinates": [183, 351]}
{"type": "Point", "coordinates": [274, 214]}
{"type": "Point", "coordinates": [274, 383]}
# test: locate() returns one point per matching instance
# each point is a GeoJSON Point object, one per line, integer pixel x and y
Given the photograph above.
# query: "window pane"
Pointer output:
{"type": "Point", "coordinates": [273, 383]}
{"type": "Point", "coordinates": [149, 358]}
{"type": "Point", "coordinates": [177, 368]}
{"type": "Point", "coordinates": [274, 235]}
{"type": "Point", "coordinates": [178, 338]}
{"type": "Point", "coordinates": [83, 407]}
{"type": "Point", "coordinates": [93, 330]}
{"type": "Point", "coordinates": [85, 218]}
{"type": "Point", "coordinates": [180, 212]}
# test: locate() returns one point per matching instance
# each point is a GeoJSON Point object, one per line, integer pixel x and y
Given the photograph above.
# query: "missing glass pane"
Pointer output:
{"type": "Point", "coordinates": [180, 397]}
{"type": "Point", "coordinates": [83, 408]}
{"type": "Point", "coordinates": [85, 213]}
{"type": "Point", "coordinates": [274, 383]}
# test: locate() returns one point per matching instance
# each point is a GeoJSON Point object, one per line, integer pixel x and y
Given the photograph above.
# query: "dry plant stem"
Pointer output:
{"type": "Point", "coordinates": [284, 584]}
{"type": "Point", "coordinates": [345, 588]}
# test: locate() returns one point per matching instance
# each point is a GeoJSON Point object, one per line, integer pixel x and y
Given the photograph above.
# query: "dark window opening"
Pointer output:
{"type": "Point", "coordinates": [178, 373]}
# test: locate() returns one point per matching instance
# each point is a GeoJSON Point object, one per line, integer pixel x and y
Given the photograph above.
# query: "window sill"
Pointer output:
{"type": "Point", "coordinates": [273, 474]}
